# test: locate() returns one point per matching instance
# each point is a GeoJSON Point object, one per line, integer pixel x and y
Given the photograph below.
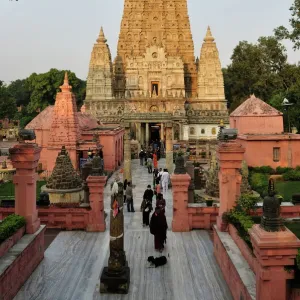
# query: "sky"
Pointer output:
{"type": "Point", "coordinates": [37, 35]}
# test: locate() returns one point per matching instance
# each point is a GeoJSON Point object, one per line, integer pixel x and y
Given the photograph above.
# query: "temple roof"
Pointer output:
{"type": "Point", "coordinates": [255, 107]}
{"type": "Point", "coordinates": [43, 120]}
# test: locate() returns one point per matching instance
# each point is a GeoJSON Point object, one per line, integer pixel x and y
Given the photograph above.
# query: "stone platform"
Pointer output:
{"type": "Point", "coordinates": [74, 261]}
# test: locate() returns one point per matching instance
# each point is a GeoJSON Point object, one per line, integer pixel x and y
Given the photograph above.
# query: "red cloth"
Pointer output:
{"type": "Point", "coordinates": [155, 161]}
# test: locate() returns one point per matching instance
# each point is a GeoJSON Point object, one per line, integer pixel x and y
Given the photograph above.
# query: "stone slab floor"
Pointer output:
{"type": "Point", "coordinates": [74, 261]}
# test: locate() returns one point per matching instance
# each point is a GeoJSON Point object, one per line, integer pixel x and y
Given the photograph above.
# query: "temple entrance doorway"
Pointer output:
{"type": "Point", "coordinates": [154, 132]}
{"type": "Point", "coordinates": [154, 88]}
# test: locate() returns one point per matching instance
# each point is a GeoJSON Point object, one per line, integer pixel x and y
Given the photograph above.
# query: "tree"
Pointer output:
{"type": "Point", "coordinates": [19, 91]}
{"type": "Point", "coordinates": [294, 35]}
{"type": "Point", "coordinates": [44, 87]}
{"type": "Point", "coordinates": [8, 107]}
{"type": "Point", "coordinates": [255, 69]}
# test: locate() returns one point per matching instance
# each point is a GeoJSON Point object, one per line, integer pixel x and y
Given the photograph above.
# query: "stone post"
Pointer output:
{"type": "Point", "coordinates": [162, 132]}
{"type": "Point", "coordinates": [180, 184]}
{"type": "Point", "coordinates": [169, 147]}
{"type": "Point", "coordinates": [96, 217]}
{"type": "Point", "coordinates": [85, 172]}
{"type": "Point", "coordinates": [127, 153]}
{"type": "Point", "coordinates": [147, 135]}
{"type": "Point", "coordinates": [230, 155]}
{"type": "Point", "coordinates": [191, 171]}
{"type": "Point", "coordinates": [274, 251]}
{"type": "Point", "coordinates": [25, 158]}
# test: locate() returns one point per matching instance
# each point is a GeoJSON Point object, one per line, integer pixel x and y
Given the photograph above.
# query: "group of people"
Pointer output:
{"type": "Point", "coordinates": [149, 159]}
{"type": "Point", "coordinates": [158, 223]}
{"type": "Point", "coordinates": [161, 179]}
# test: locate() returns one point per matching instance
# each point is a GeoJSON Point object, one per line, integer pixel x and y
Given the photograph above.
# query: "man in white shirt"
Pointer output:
{"type": "Point", "coordinates": [165, 177]}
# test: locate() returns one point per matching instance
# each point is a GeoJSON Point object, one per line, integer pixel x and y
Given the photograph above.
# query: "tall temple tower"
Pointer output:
{"type": "Point", "coordinates": [155, 82]}
{"type": "Point", "coordinates": [162, 25]}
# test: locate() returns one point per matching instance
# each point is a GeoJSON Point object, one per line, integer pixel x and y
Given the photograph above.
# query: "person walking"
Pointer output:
{"type": "Point", "coordinates": [155, 165]}
{"type": "Point", "coordinates": [124, 191]}
{"type": "Point", "coordinates": [129, 197]}
{"type": "Point", "coordinates": [158, 227]}
{"type": "Point", "coordinates": [141, 157]}
{"type": "Point", "coordinates": [147, 208]}
{"type": "Point", "coordinates": [165, 177]}
{"type": "Point", "coordinates": [149, 164]}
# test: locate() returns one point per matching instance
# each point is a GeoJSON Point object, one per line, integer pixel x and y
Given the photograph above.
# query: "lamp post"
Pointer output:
{"type": "Point", "coordinates": [286, 104]}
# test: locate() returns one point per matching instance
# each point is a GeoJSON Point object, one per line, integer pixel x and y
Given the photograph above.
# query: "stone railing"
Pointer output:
{"type": "Point", "coordinates": [7, 174]}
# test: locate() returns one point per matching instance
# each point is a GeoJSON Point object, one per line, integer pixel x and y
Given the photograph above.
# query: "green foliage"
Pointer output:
{"type": "Point", "coordinates": [259, 183]}
{"type": "Point", "coordinates": [292, 175]}
{"type": "Point", "coordinates": [8, 107]}
{"type": "Point", "coordinates": [248, 202]}
{"type": "Point", "coordinates": [282, 170]}
{"type": "Point", "coordinates": [10, 225]}
{"type": "Point", "coordinates": [19, 92]}
{"type": "Point", "coordinates": [242, 223]}
{"type": "Point", "coordinates": [293, 35]}
{"type": "Point", "coordinates": [44, 87]}
{"type": "Point", "coordinates": [263, 170]}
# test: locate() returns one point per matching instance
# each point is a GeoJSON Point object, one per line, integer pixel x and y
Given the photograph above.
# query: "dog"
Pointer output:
{"type": "Point", "coordinates": [157, 261]}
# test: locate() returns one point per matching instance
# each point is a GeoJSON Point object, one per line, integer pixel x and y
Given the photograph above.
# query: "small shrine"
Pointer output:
{"type": "Point", "coordinates": [64, 185]}
{"type": "Point", "coordinates": [212, 183]}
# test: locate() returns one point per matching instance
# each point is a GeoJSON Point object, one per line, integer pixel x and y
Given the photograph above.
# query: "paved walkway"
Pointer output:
{"type": "Point", "coordinates": [73, 262]}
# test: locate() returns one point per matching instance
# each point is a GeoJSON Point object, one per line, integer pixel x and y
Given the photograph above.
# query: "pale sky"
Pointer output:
{"type": "Point", "coordinates": [37, 35]}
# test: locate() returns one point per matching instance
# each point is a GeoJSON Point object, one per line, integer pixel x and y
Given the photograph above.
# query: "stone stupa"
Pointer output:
{"type": "Point", "coordinates": [245, 186]}
{"type": "Point", "coordinates": [64, 185]}
{"type": "Point", "coordinates": [212, 183]}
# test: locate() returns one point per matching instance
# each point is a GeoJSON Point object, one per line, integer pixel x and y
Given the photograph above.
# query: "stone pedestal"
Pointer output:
{"type": "Point", "coordinates": [96, 219]}
{"type": "Point", "coordinates": [180, 184]}
{"type": "Point", "coordinates": [25, 159]}
{"type": "Point", "coordinates": [191, 171]}
{"type": "Point", "coordinates": [127, 153]}
{"type": "Point", "coordinates": [169, 147]}
{"type": "Point", "coordinates": [230, 157]}
{"type": "Point", "coordinates": [274, 251]}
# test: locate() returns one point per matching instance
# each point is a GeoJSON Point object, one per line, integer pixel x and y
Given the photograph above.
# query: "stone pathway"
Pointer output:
{"type": "Point", "coordinates": [74, 261]}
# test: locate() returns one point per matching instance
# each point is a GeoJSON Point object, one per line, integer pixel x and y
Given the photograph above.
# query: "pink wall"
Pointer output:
{"type": "Point", "coordinates": [259, 150]}
{"type": "Point", "coordinates": [12, 279]}
{"type": "Point", "coordinates": [258, 125]}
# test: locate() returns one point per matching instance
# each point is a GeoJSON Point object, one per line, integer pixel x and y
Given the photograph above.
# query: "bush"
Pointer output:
{"type": "Point", "coordinates": [248, 202]}
{"type": "Point", "coordinates": [259, 183]}
{"type": "Point", "coordinates": [263, 169]}
{"type": "Point", "coordinates": [10, 225]}
{"type": "Point", "coordinates": [281, 170]}
{"type": "Point", "coordinates": [292, 175]}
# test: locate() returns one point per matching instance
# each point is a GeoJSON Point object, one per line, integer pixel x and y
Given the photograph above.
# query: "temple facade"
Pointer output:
{"type": "Point", "coordinates": [155, 78]}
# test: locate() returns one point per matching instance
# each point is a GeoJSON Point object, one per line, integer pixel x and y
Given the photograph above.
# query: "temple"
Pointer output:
{"type": "Point", "coordinates": [155, 78]}
{"type": "Point", "coordinates": [62, 125]}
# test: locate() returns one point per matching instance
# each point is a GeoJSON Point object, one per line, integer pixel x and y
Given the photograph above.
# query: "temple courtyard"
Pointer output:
{"type": "Point", "coordinates": [74, 260]}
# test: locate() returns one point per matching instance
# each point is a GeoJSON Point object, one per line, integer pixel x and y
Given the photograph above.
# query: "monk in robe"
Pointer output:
{"type": "Point", "coordinates": [158, 227]}
{"type": "Point", "coordinates": [155, 164]}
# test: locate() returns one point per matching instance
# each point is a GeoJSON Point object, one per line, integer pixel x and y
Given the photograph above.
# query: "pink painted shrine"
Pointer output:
{"type": "Point", "coordinates": [260, 131]}
{"type": "Point", "coordinates": [62, 124]}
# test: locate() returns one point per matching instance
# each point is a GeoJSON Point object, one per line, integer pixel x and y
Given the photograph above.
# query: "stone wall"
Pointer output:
{"type": "Point", "coordinates": [19, 262]}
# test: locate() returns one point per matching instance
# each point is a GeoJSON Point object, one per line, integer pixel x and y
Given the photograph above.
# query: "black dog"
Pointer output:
{"type": "Point", "coordinates": [158, 261]}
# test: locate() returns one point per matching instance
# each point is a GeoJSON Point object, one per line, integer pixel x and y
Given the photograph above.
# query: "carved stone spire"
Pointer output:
{"type": "Point", "coordinates": [100, 78]}
{"type": "Point", "coordinates": [160, 23]}
{"type": "Point", "coordinates": [64, 127]}
{"type": "Point", "coordinates": [210, 76]}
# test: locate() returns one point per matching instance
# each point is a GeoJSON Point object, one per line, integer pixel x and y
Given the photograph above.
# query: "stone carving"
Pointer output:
{"type": "Point", "coordinates": [179, 164]}
{"type": "Point", "coordinates": [212, 183]}
{"type": "Point", "coordinates": [245, 186]}
{"type": "Point", "coordinates": [271, 220]}
{"type": "Point", "coordinates": [64, 177]}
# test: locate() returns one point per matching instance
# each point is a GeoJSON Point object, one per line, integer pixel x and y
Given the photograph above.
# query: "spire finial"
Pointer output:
{"type": "Point", "coordinates": [209, 37]}
{"type": "Point", "coordinates": [66, 86]}
{"type": "Point", "coordinates": [66, 80]}
{"type": "Point", "coordinates": [101, 38]}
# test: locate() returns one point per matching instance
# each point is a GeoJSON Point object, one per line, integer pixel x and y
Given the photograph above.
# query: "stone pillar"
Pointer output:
{"type": "Point", "coordinates": [142, 135]}
{"type": "Point", "coordinates": [138, 136]}
{"type": "Point", "coordinates": [127, 153]}
{"type": "Point", "coordinates": [274, 251]}
{"type": "Point", "coordinates": [180, 131]}
{"type": "Point", "coordinates": [85, 172]}
{"type": "Point", "coordinates": [191, 171]}
{"type": "Point", "coordinates": [162, 132]}
{"type": "Point", "coordinates": [25, 158]}
{"type": "Point", "coordinates": [180, 184]}
{"type": "Point", "coordinates": [169, 147]}
{"type": "Point", "coordinates": [96, 217]}
{"type": "Point", "coordinates": [147, 135]}
{"type": "Point", "coordinates": [230, 155]}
